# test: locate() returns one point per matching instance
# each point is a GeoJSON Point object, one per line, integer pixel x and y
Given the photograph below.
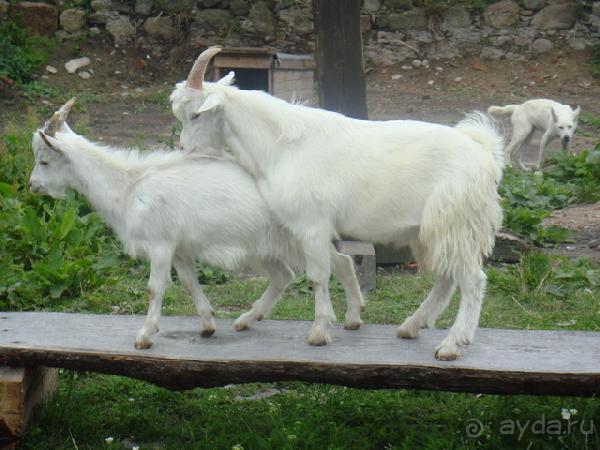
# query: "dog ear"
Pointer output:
{"type": "Point", "coordinates": [554, 117]}
{"type": "Point", "coordinates": [576, 112]}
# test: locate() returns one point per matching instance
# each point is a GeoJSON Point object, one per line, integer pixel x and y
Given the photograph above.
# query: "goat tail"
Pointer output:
{"type": "Point", "coordinates": [483, 130]}
{"type": "Point", "coordinates": [462, 214]}
{"type": "Point", "coordinates": [458, 226]}
{"type": "Point", "coordinates": [501, 110]}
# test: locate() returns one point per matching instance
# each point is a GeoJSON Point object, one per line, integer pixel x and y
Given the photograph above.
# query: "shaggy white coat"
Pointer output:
{"type": "Point", "coordinates": [429, 186]}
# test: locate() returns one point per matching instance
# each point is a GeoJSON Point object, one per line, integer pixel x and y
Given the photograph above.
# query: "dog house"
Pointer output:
{"type": "Point", "coordinates": [289, 77]}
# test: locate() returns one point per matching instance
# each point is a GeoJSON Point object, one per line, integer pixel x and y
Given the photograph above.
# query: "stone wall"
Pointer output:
{"type": "Point", "coordinates": [393, 30]}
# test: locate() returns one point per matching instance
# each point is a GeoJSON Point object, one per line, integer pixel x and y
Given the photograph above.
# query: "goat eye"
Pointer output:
{"type": "Point", "coordinates": [561, 128]}
{"type": "Point", "coordinates": [195, 116]}
{"type": "Point", "coordinates": [43, 163]}
{"type": "Point", "coordinates": [570, 127]}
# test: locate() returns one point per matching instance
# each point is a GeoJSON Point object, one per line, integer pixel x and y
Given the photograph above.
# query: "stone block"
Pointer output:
{"type": "Point", "coordinates": [363, 256]}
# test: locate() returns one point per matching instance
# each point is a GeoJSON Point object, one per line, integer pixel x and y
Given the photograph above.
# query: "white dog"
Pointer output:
{"type": "Point", "coordinates": [554, 119]}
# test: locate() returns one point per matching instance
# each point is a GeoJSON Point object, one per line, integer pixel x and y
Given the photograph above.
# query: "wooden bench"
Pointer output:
{"type": "Point", "coordinates": [499, 362]}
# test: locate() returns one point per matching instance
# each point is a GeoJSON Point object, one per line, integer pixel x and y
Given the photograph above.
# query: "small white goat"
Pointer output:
{"type": "Point", "coordinates": [411, 183]}
{"type": "Point", "coordinates": [174, 208]}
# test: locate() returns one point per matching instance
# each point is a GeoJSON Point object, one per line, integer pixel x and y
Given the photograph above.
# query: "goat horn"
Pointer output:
{"type": "Point", "coordinates": [64, 109]}
{"type": "Point", "coordinates": [58, 118]}
{"type": "Point", "coordinates": [52, 125]}
{"type": "Point", "coordinates": [196, 76]}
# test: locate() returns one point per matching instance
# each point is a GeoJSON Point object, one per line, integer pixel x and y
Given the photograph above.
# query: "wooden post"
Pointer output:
{"type": "Point", "coordinates": [21, 389]}
{"type": "Point", "coordinates": [340, 72]}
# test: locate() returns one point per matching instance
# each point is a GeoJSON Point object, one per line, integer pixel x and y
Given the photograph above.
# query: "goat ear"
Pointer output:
{"type": "Point", "coordinates": [576, 112]}
{"type": "Point", "coordinates": [228, 79]}
{"type": "Point", "coordinates": [554, 117]}
{"type": "Point", "coordinates": [51, 142]}
{"type": "Point", "coordinates": [211, 102]}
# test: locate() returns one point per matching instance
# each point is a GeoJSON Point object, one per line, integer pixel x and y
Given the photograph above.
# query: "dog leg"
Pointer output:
{"type": "Point", "coordinates": [521, 133]}
{"type": "Point", "coordinates": [546, 138]}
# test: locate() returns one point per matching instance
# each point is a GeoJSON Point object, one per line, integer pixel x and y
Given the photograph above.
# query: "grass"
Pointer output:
{"type": "Point", "coordinates": [590, 120]}
{"type": "Point", "coordinates": [161, 98]}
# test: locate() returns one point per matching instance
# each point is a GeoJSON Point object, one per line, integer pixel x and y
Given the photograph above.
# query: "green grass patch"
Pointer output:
{"type": "Point", "coordinates": [20, 54]}
{"type": "Point", "coordinates": [529, 197]}
{"type": "Point", "coordinates": [160, 98]}
{"type": "Point", "coordinates": [590, 120]}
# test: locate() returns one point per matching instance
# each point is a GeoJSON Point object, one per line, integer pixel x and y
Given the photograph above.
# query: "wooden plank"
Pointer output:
{"type": "Point", "coordinates": [243, 61]}
{"type": "Point", "coordinates": [287, 61]}
{"type": "Point", "coordinates": [249, 50]}
{"type": "Point", "coordinates": [500, 361]}
{"type": "Point", "coordinates": [340, 72]}
{"type": "Point", "coordinates": [21, 390]}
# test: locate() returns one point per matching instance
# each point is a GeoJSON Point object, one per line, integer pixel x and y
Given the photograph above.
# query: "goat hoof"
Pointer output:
{"type": "Point", "coordinates": [319, 342]}
{"type": "Point", "coordinates": [447, 353]}
{"type": "Point", "coordinates": [353, 325]}
{"type": "Point", "coordinates": [207, 333]}
{"type": "Point", "coordinates": [407, 331]}
{"type": "Point", "coordinates": [240, 326]}
{"type": "Point", "coordinates": [446, 356]}
{"type": "Point", "coordinates": [319, 338]}
{"type": "Point", "coordinates": [143, 345]}
{"type": "Point", "coordinates": [260, 317]}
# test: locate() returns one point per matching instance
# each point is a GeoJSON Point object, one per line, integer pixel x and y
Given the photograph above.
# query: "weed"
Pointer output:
{"type": "Point", "coordinates": [161, 98]}
{"type": "Point", "coordinates": [171, 141]}
{"type": "Point", "coordinates": [39, 89]}
{"type": "Point", "coordinates": [139, 140]}
{"type": "Point", "coordinates": [590, 120]}
{"type": "Point", "coordinates": [20, 54]}
{"type": "Point", "coordinates": [301, 285]}
{"type": "Point", "coordinates": [595, 60]}
{"type": "Point", "coordinates": [528, 198]}
{"type": "Point", "coordinates": [211, 275]}
{"type": "Point", "coordinates": [67, 4]}
{"type": "Point", "coordinates": [580, 172]}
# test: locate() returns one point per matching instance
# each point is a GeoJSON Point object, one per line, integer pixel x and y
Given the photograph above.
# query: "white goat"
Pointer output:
{"type": "Point", "coordinates": [174, 208]}
{"type": "Point", "coordinates": [411, 183]}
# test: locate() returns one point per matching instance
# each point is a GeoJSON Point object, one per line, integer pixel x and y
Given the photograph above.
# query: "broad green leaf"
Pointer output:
{"type": "Point", "coordinates": [67, 223]}
{"type": "Point", "coordinates": [32, 223]}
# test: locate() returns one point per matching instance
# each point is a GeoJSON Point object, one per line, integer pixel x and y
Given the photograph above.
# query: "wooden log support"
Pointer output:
{"type": "Point", "coordinates": [340, 72]}
{"type": "Point", "coordinates": [499, 361]}
{"type": "Point", "coordinates": [21, 390]}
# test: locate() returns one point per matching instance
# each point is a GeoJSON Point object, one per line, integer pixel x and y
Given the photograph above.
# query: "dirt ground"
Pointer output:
{"type": "Point", "coordinates": [125, 101]}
